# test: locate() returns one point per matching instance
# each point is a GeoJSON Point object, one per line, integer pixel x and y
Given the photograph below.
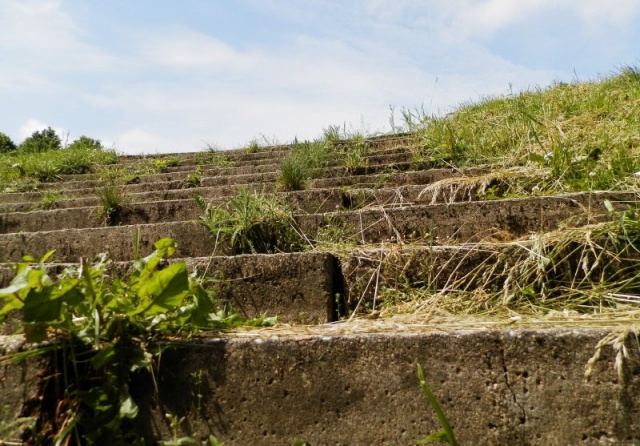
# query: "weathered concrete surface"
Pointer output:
{"type": "Point", "coordinates": [139, 212]}
{"type": "Point", "coordinates": [193, 240]}
{"type": "Point", "coordinates": [19, 390]}
{"type": "Point", "coordinates": [173, 190]}
{"type": "Point", "coordinates": [296, 287]}
{"type": "Point", "coordinates": [437, 224]}
{"type": "Point", "coordinates": [467, 221]}
{"type": "Point", "coordinates": [89, 217]}
{"type": "Point", "coordinates": [501, 387]}
{"type": "Point", "coordinates": [515, 387]}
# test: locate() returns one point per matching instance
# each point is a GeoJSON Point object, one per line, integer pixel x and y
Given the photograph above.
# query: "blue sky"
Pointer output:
{"type": "Point", "coordinates": [166, 76]}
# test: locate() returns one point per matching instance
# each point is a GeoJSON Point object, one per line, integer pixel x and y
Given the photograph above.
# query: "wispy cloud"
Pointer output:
{"type": "Point", "coordinates": [175, 87]}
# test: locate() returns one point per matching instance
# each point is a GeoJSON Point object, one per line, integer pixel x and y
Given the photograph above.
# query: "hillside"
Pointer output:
{"type": "Point", "coordinates": [497, 246]}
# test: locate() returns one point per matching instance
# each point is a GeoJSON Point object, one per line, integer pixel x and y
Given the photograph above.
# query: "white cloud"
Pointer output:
{"type": "Point", "coordinates": [616, 12]}
{"type": "Point", "coordinates": [185, 49]}
{"type": "Point", "coordinates": [34, 125]}
{"type": "Point", "coordinates": [41, 41]}
{"type": "Point", "coordinates": [460, 20]}
{"type": "Point", "coordinates": [175, 88]}
{"type": "Point", "coordinates": [136, 139]}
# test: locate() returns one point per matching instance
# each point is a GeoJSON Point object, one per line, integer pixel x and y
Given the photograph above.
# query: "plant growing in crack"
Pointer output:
{"type": "Point", "coordinates": [111, 200]}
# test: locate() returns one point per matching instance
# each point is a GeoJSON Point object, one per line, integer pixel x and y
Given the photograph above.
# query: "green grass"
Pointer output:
{"type": "Point", "coordinates": [584, 134]}
{"type": "Point", "coordinates": [23, 171]}
{"type": "Point", "coordinates": [50, 199]}
{"type": "Point", "coordinates": [112, 200]}
{"type": "Point", "coordinates": [251, 223]}
{"type": "Point", "coordinates": [307, 160]}
{"type": "Point", "coordinates": [194, 179]}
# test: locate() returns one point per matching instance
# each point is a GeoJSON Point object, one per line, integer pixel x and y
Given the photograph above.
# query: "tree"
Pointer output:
{"type": "Point", "coordinates": [6, 145]}
{"type": "Point", "coordinates": [84, 142]}
{"type": "Point", "coordinates": [41, 141]}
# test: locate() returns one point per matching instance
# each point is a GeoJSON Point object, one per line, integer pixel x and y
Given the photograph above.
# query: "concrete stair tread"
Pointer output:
{"type": "Point", "coordinates": [496, 386]}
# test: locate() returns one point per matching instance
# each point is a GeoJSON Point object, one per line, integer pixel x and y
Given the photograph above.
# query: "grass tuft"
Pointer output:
{"type": "Point", "coordinates": [252, 223]}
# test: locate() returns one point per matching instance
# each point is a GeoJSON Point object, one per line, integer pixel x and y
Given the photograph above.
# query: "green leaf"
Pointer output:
{"type": "Point", "coordinates": [165, 247]}
{"type": "Point", "coordinates": [38, 278]}
{"type": "Point", "coordinates": [47, 256]}
{"type": "Point", "coordinates": [444, 422]}
{"type": "Point", "coordinates": [128, 408]}
{"type": "Point", "coordinates": [18, 283]}
{"type": "Point", "coordinates": [12, 304]}
{"type": "Point", "coordinates": [35, 332]}
{"type": "Point", "coordinates": [104, 357]}
{"type": "Point", "coordinates": [166, 290]}
{"type": "Point", "coordinates": [436, 437]}
{"type": "Point", "coordinates": [40, 307]}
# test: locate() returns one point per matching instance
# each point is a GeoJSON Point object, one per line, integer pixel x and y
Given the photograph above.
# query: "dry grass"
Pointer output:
{"type": "Point", "coordinates": [586, 270]}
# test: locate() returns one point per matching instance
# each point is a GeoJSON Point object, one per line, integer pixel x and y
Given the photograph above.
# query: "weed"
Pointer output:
{"type": "Point", "coordinates": [584, 133]}
{"type": "Point", "coordinates": [335, 235]}
{"type": "Point", "coordinates": [163, 165]}
{"type": "Point", "coordinates": [103, 335]}
{"type": "Point", "coordinates": [22, 171]}
{"type": "Point", "coordinates": [332, 134]}
{"type": "Point", "coordinates": [307, 160]}
{"type": "Point", "coordinates": [50, 199]}
{"type": "Point", "coordinates": [355, 156]}
{"type": "Point", "coordinates": [198, 383]}
{"type": "Point", "coordinates": [174, 425]}
{"type": "Point", "coordinates": [446, 433]}
{"type": "Point", "coordinates": [216, 157]}
{"type": "Point", "coordinates": [213, 441]}
{"type": "Point", "coordinates": [131, 179]}
{"type": "Point", "coordinates": [112, 200]}
{"type": "Point", "coordinates": [12, 429]}
{"type": "Point", "coordinates": [194, 179]}
{"type": "Point", "coordinates": [253, 147]}
{"type": "Point", "coordinates": [294, 173]}
{"type": "Point", "coordinates": [252, 223]}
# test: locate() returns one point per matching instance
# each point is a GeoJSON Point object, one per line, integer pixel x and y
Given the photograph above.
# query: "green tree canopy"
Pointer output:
{"type": "Point", "coordinates": [41, 141]}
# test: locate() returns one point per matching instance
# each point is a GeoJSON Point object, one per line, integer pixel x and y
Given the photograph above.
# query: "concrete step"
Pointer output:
{"type": "Point", "coordinates": [374, 163]}
{"type": "Point", "coordinates": [147, 212]}
{"type": "Point", "coordinates": [86, 213]}
{"type": "Point", "coordinates": [438, 224]}
{"type": "Point", "coordinates": [466, 221]}
{"type": "Point", "coordinates": [222, 186]}
{"type": "Point", "coordinates": [298, 288]}
{"type": "Point", "coordinates": [356, 384]}
{"type": "Point", "coordinates": [219, 161]}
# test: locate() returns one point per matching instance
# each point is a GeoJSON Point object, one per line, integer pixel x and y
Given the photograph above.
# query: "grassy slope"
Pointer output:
{"type": "Point", "coordinates": [583, 135]}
